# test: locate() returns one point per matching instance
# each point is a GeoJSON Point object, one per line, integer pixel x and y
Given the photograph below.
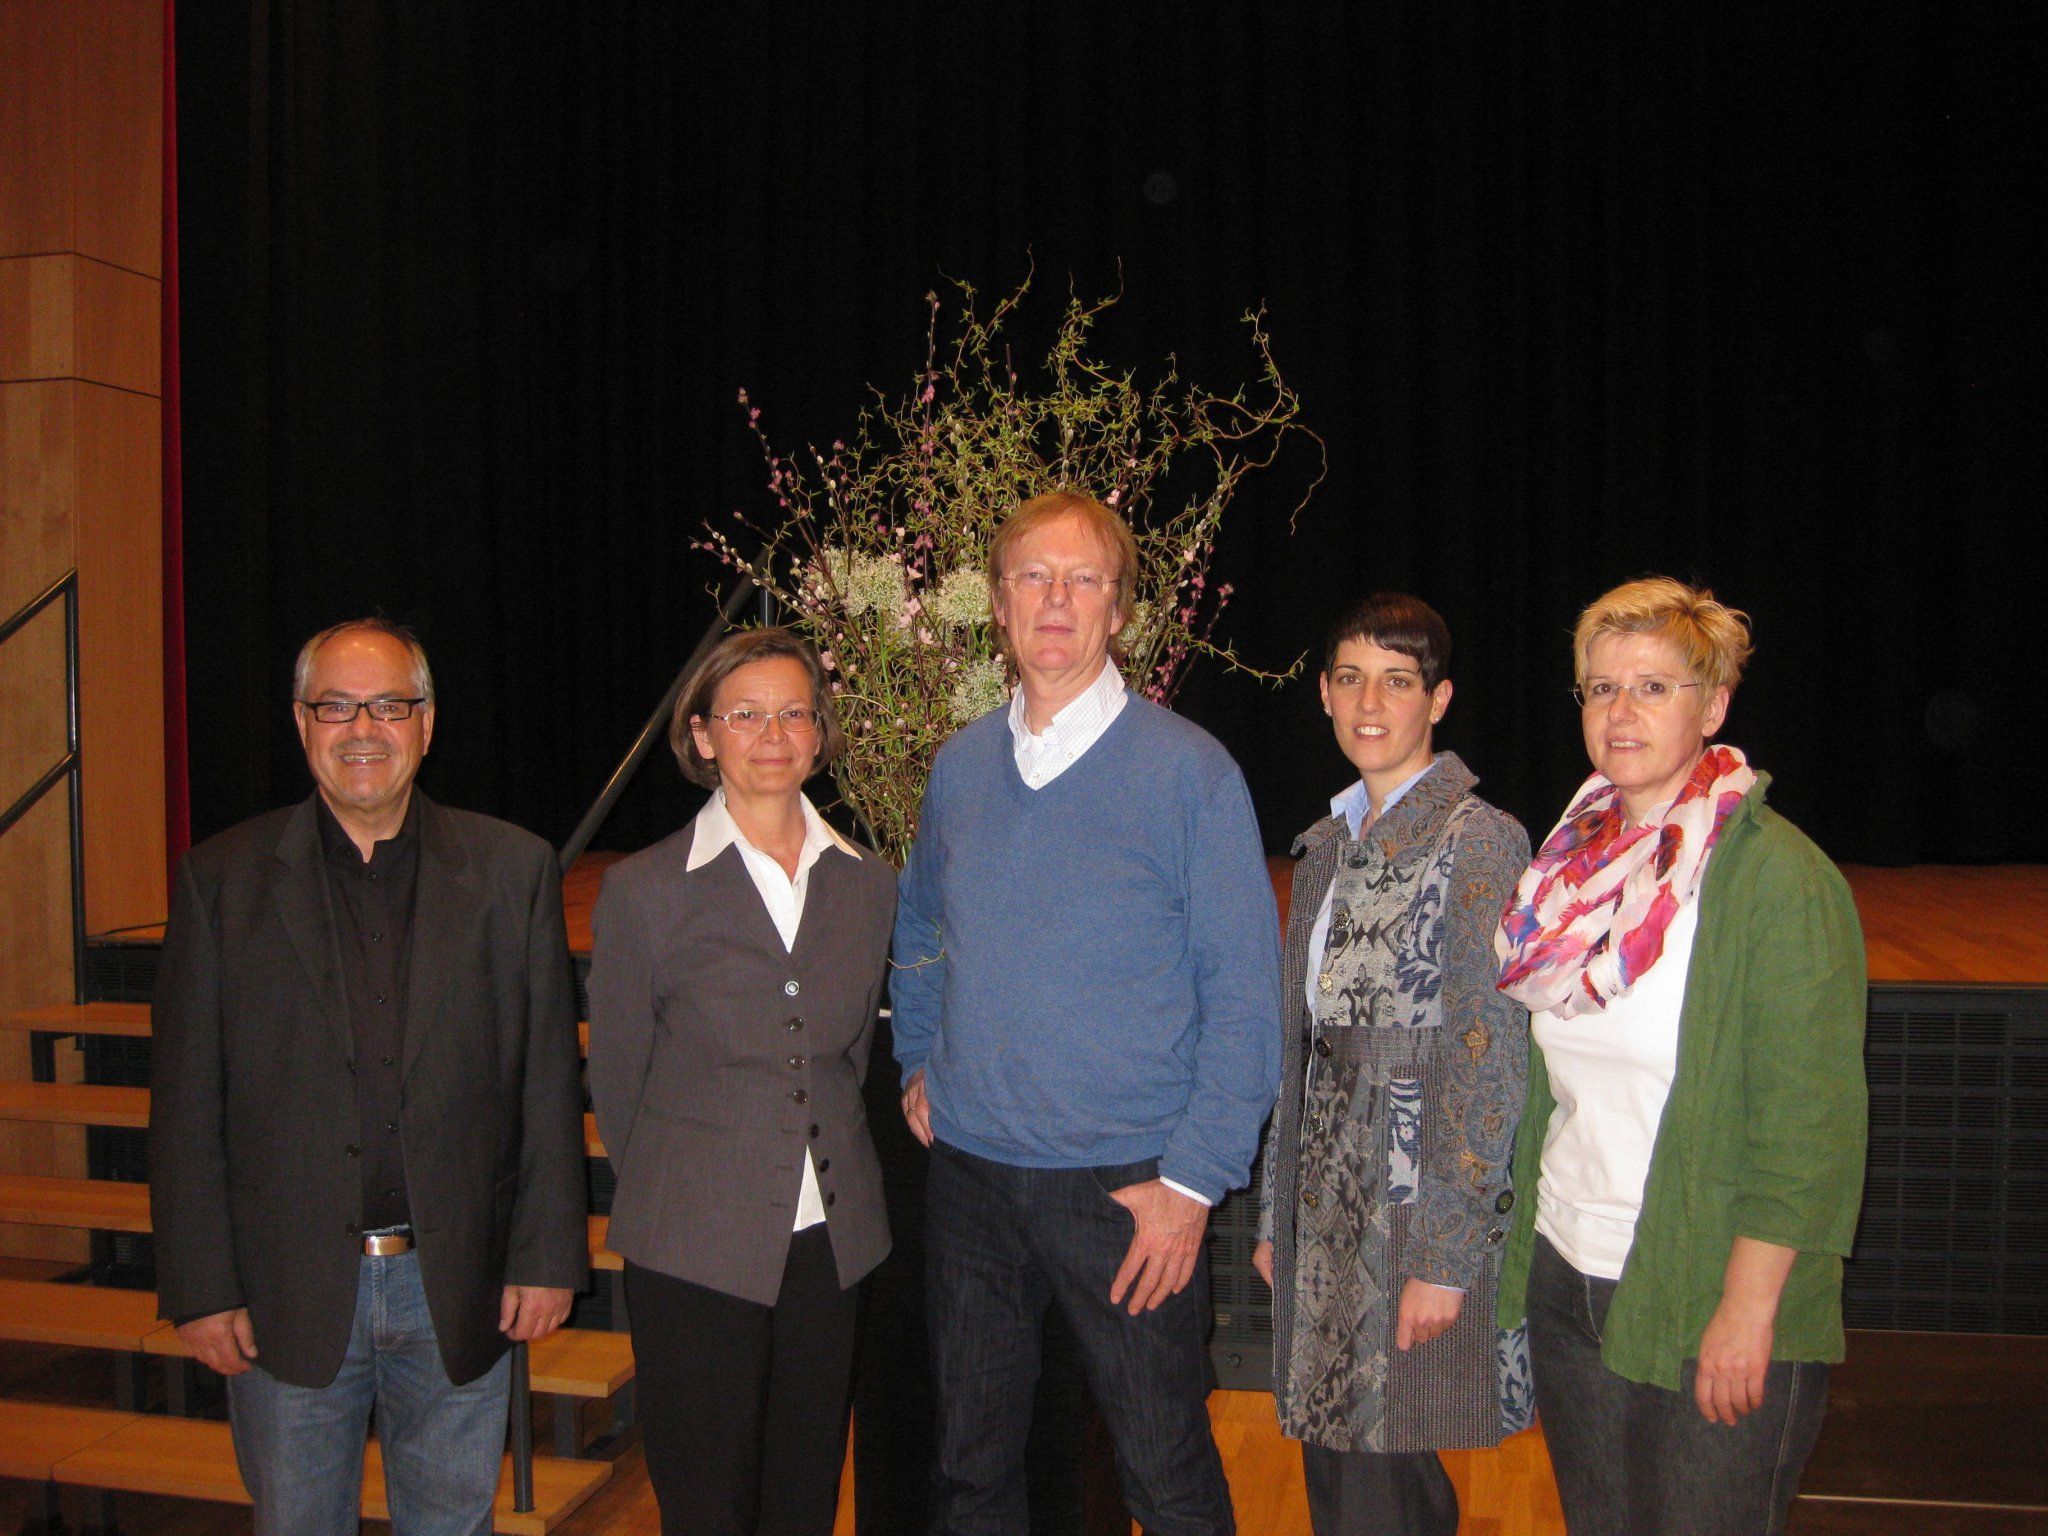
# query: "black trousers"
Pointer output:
{"type": "Point", "coordinates": [743, 1407]}
{"type": "Point", "coordinates": [1377, 1493]}
{"type": "Point", "coordinates": [1002, 1246]}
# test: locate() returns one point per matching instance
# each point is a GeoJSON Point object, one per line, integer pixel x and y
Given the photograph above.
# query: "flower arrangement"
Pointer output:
{"type": "Point", "coordinates": [877, 550]}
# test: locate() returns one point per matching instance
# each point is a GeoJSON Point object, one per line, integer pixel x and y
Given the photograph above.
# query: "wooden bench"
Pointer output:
{"type": "Point", "coordinates": [48, 1200]}
{"type": "Point", "coordinates": [75, 1104]}
{"type": "Point", "coordinates": [127, 1019]}
{"type": "Point", "coordinates": [34, 1437]}
{"type": "Point", "coordinates": [195, 1459]}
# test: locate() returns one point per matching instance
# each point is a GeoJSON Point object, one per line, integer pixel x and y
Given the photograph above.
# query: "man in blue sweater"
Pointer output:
{"type": "Point", "coordinates": [1087, 1016]}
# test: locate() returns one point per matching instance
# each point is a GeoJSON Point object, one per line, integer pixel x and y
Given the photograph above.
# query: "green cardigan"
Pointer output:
{"type": "Point", "coordinates": [1763, 1134]}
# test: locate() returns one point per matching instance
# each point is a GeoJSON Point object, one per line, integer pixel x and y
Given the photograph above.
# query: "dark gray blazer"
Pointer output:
{"type": "Point", "coordinates": [717, 1057]}
{"type": "Point", "coordinates": [255, 1182]}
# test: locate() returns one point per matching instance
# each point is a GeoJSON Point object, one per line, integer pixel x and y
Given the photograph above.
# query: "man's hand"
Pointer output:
{"type": "Point", "coordinates": [1426, 1311]}
{"type": "Point", "coordinates": [917, 1109]}
{"type": "Point", "coordinates": [530, 1312]}
{"type": "Point", "coordinates": [1161, 1259]}
{"type": "Point", "coordinates": [1262, 1261]}
{"type": "Point", "coordinates": [222, 1340]}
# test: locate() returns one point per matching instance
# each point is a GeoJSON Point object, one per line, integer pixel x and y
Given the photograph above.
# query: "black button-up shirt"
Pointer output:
{"type": "Point", "coordinates": [372, 902]}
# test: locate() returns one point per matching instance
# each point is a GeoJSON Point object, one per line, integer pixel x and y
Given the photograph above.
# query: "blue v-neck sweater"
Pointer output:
{"type": "Point", "coordinates": [1088, 973]}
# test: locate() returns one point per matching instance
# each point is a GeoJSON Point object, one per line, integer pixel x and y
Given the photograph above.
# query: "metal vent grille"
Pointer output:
{"type": "Point", "coordinates": [120, 973]}
{"type": "Point", "coordinates": [1242, 1344]}
{"type": "Point", "coordinates": [1954, 1233]}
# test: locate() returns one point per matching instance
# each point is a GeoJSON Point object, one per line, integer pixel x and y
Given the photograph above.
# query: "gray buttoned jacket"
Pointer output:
{"type": "Point", "coordinates": [717, 1057]}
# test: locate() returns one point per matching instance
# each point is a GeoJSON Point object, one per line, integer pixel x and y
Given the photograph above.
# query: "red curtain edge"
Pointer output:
{"type": "Point", "coordinates": [177, 746]}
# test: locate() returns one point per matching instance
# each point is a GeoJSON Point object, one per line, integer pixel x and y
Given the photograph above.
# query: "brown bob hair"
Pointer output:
{"type": "Point", "coordinates": [736, 650]}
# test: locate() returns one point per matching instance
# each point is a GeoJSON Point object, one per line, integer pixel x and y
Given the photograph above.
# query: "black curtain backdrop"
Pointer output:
{"type": "Point", "coordinates": [1742, 293]}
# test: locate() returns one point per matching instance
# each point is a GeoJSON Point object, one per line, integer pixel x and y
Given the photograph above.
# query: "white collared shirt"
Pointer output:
{"type": "Point", "coordinates": [1071, 732]}
{"type": "Point", "coordinates": [1067, 736]}
{"type": "Point", "coordinates": [783, 896]}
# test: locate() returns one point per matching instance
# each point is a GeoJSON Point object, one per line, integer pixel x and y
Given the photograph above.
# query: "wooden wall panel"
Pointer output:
{"type": "Point", "coordinates": [119, 142]}
{"type": "Point", "coordinates": [120, 574]}
{"type": "Point", "coordinates": [68, 316]}
{"type": "Point", "coordinates": [35, 967]}
{"type": "Point", "coordinates": [38, 455]}
{"type": "Point", "coordinates": [38, 127]}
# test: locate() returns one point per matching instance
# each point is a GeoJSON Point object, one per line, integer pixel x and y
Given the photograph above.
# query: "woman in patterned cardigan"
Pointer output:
{"type": "Point", "coordinates": [1386, 1186]}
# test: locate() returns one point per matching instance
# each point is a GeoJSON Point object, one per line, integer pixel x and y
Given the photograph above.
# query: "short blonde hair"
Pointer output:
{"type": "Point", "coordinates": [1712, 637]}
{"type": "Point", "coordinates": [1110, 530]}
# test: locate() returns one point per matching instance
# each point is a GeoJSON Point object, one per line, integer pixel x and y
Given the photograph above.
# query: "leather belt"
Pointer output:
{"type": "Point", "coordinates": [384, 1245]}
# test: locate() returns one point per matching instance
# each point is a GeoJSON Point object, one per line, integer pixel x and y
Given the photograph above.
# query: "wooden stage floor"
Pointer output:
{"type": "Point", "coordinates": [1931, 923]}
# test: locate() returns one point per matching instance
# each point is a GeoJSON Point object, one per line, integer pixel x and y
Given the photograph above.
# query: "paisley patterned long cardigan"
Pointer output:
{"type": "Point", "coordinates": [1388, 1155]}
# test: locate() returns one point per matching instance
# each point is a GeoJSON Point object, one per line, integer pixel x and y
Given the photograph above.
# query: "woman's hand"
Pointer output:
{"type": "Point", "coordinates": [1426, 1312]}
{"type": "Point", "coordinates": [1735, 1351]}
{"type": "Point", "coordinates": [1262, 1261]}
{"type": "Point", "coordinates": [917, 1108]}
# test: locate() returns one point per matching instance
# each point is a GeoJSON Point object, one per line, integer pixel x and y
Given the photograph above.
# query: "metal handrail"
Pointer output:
{"type": "Point", "coordinates": [653, 730]}
{"type": "Point", "coordinates": [68, 767]}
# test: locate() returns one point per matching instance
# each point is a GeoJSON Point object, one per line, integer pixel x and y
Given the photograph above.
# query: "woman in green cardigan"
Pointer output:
{"type": "Point", "coordinates": [1691, 1155]}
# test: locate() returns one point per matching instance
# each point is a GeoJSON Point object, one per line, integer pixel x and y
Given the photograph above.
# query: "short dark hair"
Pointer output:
{"type": "Point", "coordinates": [727, 657]}
{"type": "Point", "coordinates": [1394, 621]}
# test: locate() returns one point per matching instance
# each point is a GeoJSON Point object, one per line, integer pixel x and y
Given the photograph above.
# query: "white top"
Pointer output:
{"type": "Point", "coordinates": [1071, 732]}
{"type": "Point", "coordinates": [1067, 736]}
{"type": "Point", "coordinates": [784, 899]}
{"type": "Point", "coordinates": [1611, 1072]}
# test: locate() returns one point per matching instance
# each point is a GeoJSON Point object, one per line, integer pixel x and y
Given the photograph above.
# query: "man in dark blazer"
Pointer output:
{"type": "Point", "coordinates": [366, 1153]}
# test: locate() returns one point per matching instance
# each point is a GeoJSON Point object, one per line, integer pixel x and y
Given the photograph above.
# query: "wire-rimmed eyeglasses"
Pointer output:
{"type": "Point", "coordinates": [797, 720]}
{"type": "Point", "coordinates": [1650, 693]}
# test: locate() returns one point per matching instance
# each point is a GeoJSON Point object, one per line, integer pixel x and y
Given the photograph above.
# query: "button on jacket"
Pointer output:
{"type": "Point", "coordinates": [718, 1057]}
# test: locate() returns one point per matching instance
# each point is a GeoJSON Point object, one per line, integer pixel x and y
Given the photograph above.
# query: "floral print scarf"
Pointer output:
{"type": "Point", "coordinates": [1590, 913]}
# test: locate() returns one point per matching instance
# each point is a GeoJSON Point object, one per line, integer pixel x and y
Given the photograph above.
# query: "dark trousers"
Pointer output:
{"type": "Point", "coordinates": [1376, 1493]}
{"type": "Point", "coordinates": [743, 1407]}
{"type": "Point", "coordinates": [1637, 1460]}
{"type": "Point", "coordinates": [1002, 1244]}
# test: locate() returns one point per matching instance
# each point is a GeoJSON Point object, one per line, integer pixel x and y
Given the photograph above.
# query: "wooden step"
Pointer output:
{"type": "Point", "coordinates": [107, 1205]}
{"type": "Point", "coordinates": [573, 1362]}
{"type": "Point", "coordinates": [34, 1437]}
{"type": "Point", "coordinates": [581, 1362]}
{"type": "Point", "coordinates": [130, 1019]}
{"type": "Point", "coordinates": [601, 1257]}
{"type": "Point", "coordinates": [46, 1200]}
{"type": "Point", "coordinates": [195, 1459]}
{"type": "Point", "coordinates": [79, 1316]}
{"type": "Point", "coordinates": [75, 1104]}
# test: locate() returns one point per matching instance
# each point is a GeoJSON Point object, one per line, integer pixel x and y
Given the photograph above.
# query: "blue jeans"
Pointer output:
{"type": "Point", "coordinates": [1631, 1458]}
{"type": "Point", "coordinates": [301, 1448]}
{"type": "Point", "coordinates": [1001, 1245]}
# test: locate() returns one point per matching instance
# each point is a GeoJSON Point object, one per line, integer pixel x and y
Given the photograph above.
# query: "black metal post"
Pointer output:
{"type": "Point", "coordinates": [77, 791]}
{"type": "Point", "coordinates": [652, 731]}
{"type": "Point", "coordinates": [522, 1433]}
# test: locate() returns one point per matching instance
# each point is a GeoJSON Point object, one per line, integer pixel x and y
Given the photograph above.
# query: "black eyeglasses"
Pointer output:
{"type": "Point", "coordinates": [344, 711]}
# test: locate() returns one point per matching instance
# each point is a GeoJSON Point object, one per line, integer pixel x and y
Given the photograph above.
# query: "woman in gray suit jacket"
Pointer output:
{"type": "Point", "coordinates": [733, 989]}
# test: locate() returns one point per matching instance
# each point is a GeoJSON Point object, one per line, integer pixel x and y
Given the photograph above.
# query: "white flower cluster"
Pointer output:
{"type": "Point", "coordinates": [961, 599]}
{"type": "Point", "coordinates": [979, 690]}
{"type": "Point", "coordinates": [863, 582]}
